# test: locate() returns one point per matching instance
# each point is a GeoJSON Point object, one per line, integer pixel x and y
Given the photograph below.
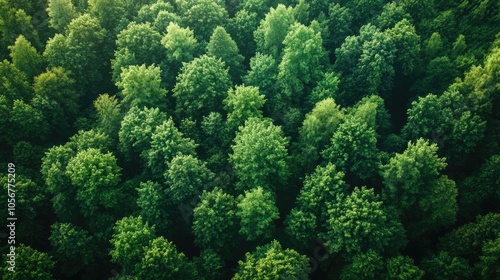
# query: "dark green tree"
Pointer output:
{"type": "Point", "coordinates": [26, 58]}
{"type": "Point", "coordinates": [152, 202]}
{"type": "Point", "coordinates": [443, 266]}
{"type": "Point", "coordinates": [366, 265]}
{"type": "Point", "coordinates": [30, 264]}
{"type": "Point", "coordinates": [402, 268]}
{"type": "Point", "coordinates": [61, 13]}
{"type": "Point", "coordinates": [242, 103]}
{"type": "Point", "coordinates": [222, 46]}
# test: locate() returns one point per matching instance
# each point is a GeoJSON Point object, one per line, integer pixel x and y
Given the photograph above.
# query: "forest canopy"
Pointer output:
{"type": "Point", "coordinates": [223, 139]}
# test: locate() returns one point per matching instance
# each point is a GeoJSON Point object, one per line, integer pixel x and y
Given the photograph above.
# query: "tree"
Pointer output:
{"type": "Point", "coordinates": [180, 43]}
{"type": "Point", "coordinates": [337, 25]}
{"type": "Point", "coordinates": [162, 261]}
{"type": "Point", "coordinates": [90, 139]}
{"type": "Point", "coordinates": [201, 87]}
{"type": "Point", "coordinates": [413, 185]}
{"type": "Point", "coordinates": [259, 155]}
{"type": "Point", "coordinates": [109, 115]}
{"type": "Point", "coordinates": [73, 245]}
{"type": "Point", "coordinates": [29, 121]}
{"type": "Point", "coordinates": [57, 98]}
{"type": "Point", "coordinates": [353, 149]}
{"type": "Point", "coordinates": [263, 74]}
{"type": "Point", "coordinates": [137, 128]}
{"type": "Point", "coordinates": [96, 176]}
{"type": "Point", "coordinates": [317, 130]}
{"type": "Point", "coordinates": [407, 44]}
{"type": "Point", "coordinates": [130, 239]}
{"type": "Point", "coordinates": [327, 87]}
{"type": "Point", "coordinates": [30, 264]}
{"type": "Point", "coordinates": [490, 260]}
{"type": "Point", "coordinates": [80, 52]}
{"type": "Point", "coordinates": [372, 110]}
{"type": "Point", "coordinates": [402, 268]}
{"type": "Point", "coordinates": [209, 264]}
{"type": "Point", "coordinates": [152, 202]}
{"type": "Point", "coordinates": [242, 103]}
{"type": "Point", "coordinates": [61, 13]}
{"type": "Point", "coordinates": [15, 84]}
{"type": "Point", "coordinates": [186, 176]}
{"type": "Point", "coordinates": [111, 14]}
{"type": "Point", "coordinates": [446, 120]}
{"type": "Point", "coordinates": [301, 227]}
{"type": "Point", "coordinates": [257, 212]}
{"type": "Point", "coordinates": [214, 221]}
{"type": "Point", "coordinates": [443, 266]}
{"type": "Point", "coordinates": [271, 261]}
{"type": "Point", "coordinates": [392, 14]}
{"type": "Point", "coordinates": [222, 46]}
{"type": "Point", "coordinates": [166, 143]}
{"type": "Point", "coordinates": [204, 17]}
{"type": "Point", "coordinates": [357, 223]}
{"type": "Point", "coordinates": [366, 265]}
{"type": "Point", "coordinates": [301, 66]}
{"type": "Point", "coordinates": [137, 44]}
{"type": "Point", "coordinates": [273, 29]}
{"type": "Point", "coordinates": [241, 28]}
{"type": "Point", "coordinates": [26, 58]}
{"type": "Point", "coordinates": [140, 87]}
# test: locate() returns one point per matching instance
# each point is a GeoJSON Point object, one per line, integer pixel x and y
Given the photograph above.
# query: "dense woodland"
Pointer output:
{"type": "Point", "coordinates": [211, 139]}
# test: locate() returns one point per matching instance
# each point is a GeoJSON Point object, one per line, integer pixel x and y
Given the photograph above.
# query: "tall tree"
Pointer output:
{"type": "Point", "coordinates": [271, 261]}
{"type": "Point", "coordinates": [26, 58]}
{"type": "Point", "coordinates": [129, 242]}
{"type": "Point", "coordinates": [242, 103]}
{"type": "Point", "coordinates": [109, 115]}
{"type": "Point", "coordinates": [260, 155]}
{"type": "Point", "coordinates": [201, 87]}
{"type": "Point", "coordinates": [61, 13]}
{"type": "Point", "coordinates": [257, 212]}
{"type": "Point", "coordinates": [222, 46]}
{"type": "Point", "coordinates": [215, 222]}
{"type": "Point", "coordinates": [204, 17]}
{"type": "Point", "coordinates": [273, 30]}
{"type": "Point", "coordinates": [30, 264]}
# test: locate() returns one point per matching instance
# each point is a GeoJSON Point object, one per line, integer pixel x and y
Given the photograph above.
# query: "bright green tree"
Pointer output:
{"type": "Point", "coordinates": [61, 13]}
{"type": "Point", "coordinates": [161, 260]}
{"type": "Point", "coordinates": [215, 223]}
{"type": "Point", "coordinates": [140, 86]}
{"type": "Point", "coordinates": [73, 245]}
{"type": "Point", "coordinates": [257, 212]}
{"type": "Point", "coordinates": [96, 176]}
{"type": "Point", "coordinates": [402, 268]}
{"type": "Point", "coordinates": [317, 130]}
{"type": "Point", "coordinates": [271, 261]}
{"type": "Point", "coordinates": [273, 29]}
{"type": "Point", "coordinates": [372, 110]}
{"type": "Point", "coordinates": [186, 176]}
{"type": "Point", "coordinates": [392, 13]}
{"type": "Point", "coordinates": [242, 103]}
{"type": "Point", "coordinates": [222, 46]}
{"type": "Point", "coordinates": [353, 149]}
{"type": "Point", "coordinates": [357, 223]}
{"type": "Point", "coordinates": [204, 17]}
{"type": "Point", "coordinates": [130, 239]}
{"type": "Point", "coordinates": [201, 86]}
{"type": "Point", "coordinates": [166, 143]}
{"type": "Point", "coordinates": [366, 265]}
{"type": "Point", "coordinates": [26, 58]}
{"type": "Point", "coordinates": [259, 156]}
{"type": "Point", "coordinates": [137, 128]}
{"type": "Point", "coordinates": [180, 43]}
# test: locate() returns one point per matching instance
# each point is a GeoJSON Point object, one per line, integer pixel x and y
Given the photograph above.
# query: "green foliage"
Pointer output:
{"type": "Point", "coordinates": [364, 266]}
{"type": "Point", "coordinates": [25, 57]}
{"type": "Point", "coordinates": [209, 264]}
{"type": "Point", "coordinates": [443, 266]}
{"type": "Point", "coordinates": [337, 25]}
{"type": "Point", "coordinates": [490, 259]}
{"type": "Point", "coordinates": [203, 17]}
{"type": "Point", "coordinates": [241, 28]}
{"type": "Point", "coordinates": [129, 242]}
{"type": "Point", "coordinates": [110, 13]}
{"type": "Point", "coordinates": [407, 44]}
{"type": "Point", "coordinates": [263, 74]}
{"type": "Point", "coordinates": [151, 201]}
{"type": "Point", "coordinates": [257, 212]}
{"type": "Point", "coordinates": [273, 29]}
{"type": "Point", "coordinates": [392, 13]}
{"type": "Point", "coordinates": [242, 103]}
{"type": "Point", "coordinates": [301, 66]}
{"type": "Point", "coordinates": [372, 110]}
{"type": "Point", "coordinates": [137, 44]}
{"type": "Point", "coordinates": [162, 261]}
{"type": "Point", "coordinates": [447, 121]}
{"type": "Point", "coordinates": [272, 262]}
{"type": "Point", "coordinates": [316, 131]}
{"type": "Point", "coordinates": [96, 176]}
{"type": "Point", "coordinates": [14, 83]}
{"type": "Point", "coordinates": [301, 227]}
{"type": "Point", "coordinates": [84, 140]}
{"type": "Point", "coordinates": [353, 149]}
{"type": "Point", "coordinates": [61, 13]}
{"type": "Point", "coordinates": [109, 114]}
{"type": "Point", "coordinates": [137, 128]}
{"type": "Point", "coordinates": [402, 268]}
{"type": "Point", "coordinates": [140, 87]}
{"type": "Point", "coordinates": [179, 42]}
{"type": "Point", "coordinates": [222, 46]}
{"type": "Point", "coordinates": [326, 88]}
{"type": "Point", "coordinates": [201, 87]}
{"type": "Point", "coordinates": [214, 221]}
{"type": "Point", "coordinates": [28, 121]}
{"type": "Point", "coordinates": [186, 177]}
{"type": "Point", "coordinates": [30, 264]}
{"type": "Point", "coordinates": [166, 143]}
{"type": "Point", "coordinates": [74, 247]}
{"type": "Point", "coordinates": [259, 155]}
{"type": "Point", "coordinates": [357, 223]}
